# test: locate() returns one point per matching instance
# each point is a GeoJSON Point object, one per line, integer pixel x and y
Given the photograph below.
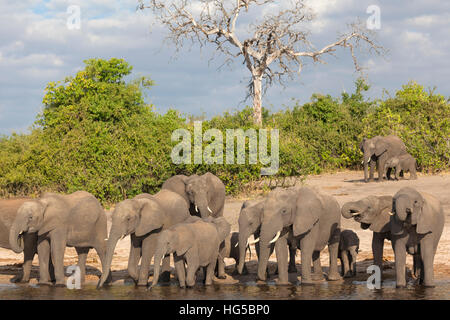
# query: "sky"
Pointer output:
{"type": "Point", "coordinates": [37, 46]}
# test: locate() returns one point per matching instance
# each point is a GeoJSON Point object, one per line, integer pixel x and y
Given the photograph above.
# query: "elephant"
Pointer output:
{"type": "Point", "coordinates": [75, 220]}
{"type": "Point", "coordinates": [379, 149]}
{"type": "Point", "coordinates": [228, 249]}
{"type": "Point", "coordinates": [312, 219]}
{"type": "Point", "coordinates": [194, 243]}
{"type": "Point", "coordinates": [8, 212]}
{"type": "Point", "coordinates": [404, 162]}
{"type": "Point", "coordinates": [249, 221]}
{"type": "Point", "coordinates": [348, 250]}
{"type": "Point", "coordinates": [417, 221]}
{"type": "Point", "coordinates": [205, 193]}
{"type": "Point", "coordinates": [372, 213]}
{"type": "Point", "coordinates": [143, 218]}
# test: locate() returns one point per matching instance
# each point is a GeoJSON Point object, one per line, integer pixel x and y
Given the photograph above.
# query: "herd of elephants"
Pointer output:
{"type": "Point", "coordinates": [185, 220]}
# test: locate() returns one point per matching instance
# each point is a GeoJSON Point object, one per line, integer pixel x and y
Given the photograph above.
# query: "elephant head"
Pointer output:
{"type": "Point", "coordinates": [139, 216]}
{"type": "Point", "coordinates": [197, 188]}
{"type": "Point", "coordinates": [249, 222]}
{"type": "Point", "coordinates": [371, 212]}
{"type": "Point", "coordinates": [409, 209]}
{"type": "Point", "coordinates": [41, 216]}
{"type": "Point", "coordinates": [296, 207]}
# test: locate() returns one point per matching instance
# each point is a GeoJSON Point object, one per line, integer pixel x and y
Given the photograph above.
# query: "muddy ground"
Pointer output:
{"type": "Point", "coordinates": [344, 186]}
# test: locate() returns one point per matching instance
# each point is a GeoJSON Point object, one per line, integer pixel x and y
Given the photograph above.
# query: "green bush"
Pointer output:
{"type": "Point", "coordinates": [97, 134]}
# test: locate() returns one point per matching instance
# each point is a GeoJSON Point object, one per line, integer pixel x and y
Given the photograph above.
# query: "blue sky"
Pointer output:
{"type": "Point", "coordinates": [36, 47]}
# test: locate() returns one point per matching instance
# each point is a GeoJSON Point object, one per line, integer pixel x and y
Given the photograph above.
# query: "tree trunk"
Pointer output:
{"type": "Point", "coordinates": [257, 107]}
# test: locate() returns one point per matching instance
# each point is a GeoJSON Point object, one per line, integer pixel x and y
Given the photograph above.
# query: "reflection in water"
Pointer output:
{"type": "Point", "coordinates": [326, 290]}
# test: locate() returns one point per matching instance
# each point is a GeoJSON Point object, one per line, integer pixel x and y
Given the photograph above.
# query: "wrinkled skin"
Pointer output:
{"type": "Point", "coordinates": [405, 163]}
{"type": "Point", "coordinates": [28, 242]}
{"type": "Point", "coordinates": [250, 218]}
{"type": "Point", "coordinates": [372, 213]}
{"type": "Point", "coordinates": [416, 225]}
{"type": "Point", "coordinates": [348, 250]}
{"type": "Point", "coordinates": [144, 218]}
{"type": "Point", "coordinates": [195, 243]}
{"type": "Point", "coordinates": [75, 220]}
{"type": "Point", "coordinates": [204, 194]}
{"type": "Point", "coordinates": [312, 219]}
{"type": "Point", "coordinates": [378, 150]}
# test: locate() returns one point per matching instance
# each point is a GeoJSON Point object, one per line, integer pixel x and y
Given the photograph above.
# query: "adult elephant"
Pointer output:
{"type": "Point", "coordinates": [250, 219]}
{"type": "Point", "coordinates": [312, 218]}
{"type": "Point", "coordinates": [205, 194]}
{"type": "Point", "coordinates": [75, 220]}
{"type": "Point", "coordinates": [372, 213]}
{"type": "Point", "coordinates": [8, 212]}
{"type": "Point", "coordinates": [143, 218]}
{"type": "Point", "coordinates": [378, 150]}
{"type": "Point", "coordinates": [417, 223]}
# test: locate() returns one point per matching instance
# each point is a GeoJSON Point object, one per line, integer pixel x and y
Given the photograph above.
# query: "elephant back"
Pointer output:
{"type": "Point", "coordinates": [174, 206]}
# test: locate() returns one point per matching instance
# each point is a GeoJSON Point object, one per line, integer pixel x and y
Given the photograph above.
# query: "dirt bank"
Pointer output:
{"type": "Point", "coordinates": [344, 186]}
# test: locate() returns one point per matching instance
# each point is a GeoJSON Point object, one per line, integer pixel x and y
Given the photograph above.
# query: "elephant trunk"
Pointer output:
{"type": "Point", "coordinates": [349, 209]}
{"type": "Point", "coordinates": [111, 245]}
{"type": "Point", "coordinates": [270, 231]}
{"type": "Point", "coordinates": [366, 159]}
{"type": "Point", "coordinates": [159, 255]}
{"type": "Point", "coordinates": [16, 239]}
{"type": "Point", "coordinates": [243, 238]}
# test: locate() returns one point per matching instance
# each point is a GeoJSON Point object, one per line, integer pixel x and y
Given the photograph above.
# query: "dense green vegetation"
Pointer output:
{"type": "Point", "coordinates": [97, 134]}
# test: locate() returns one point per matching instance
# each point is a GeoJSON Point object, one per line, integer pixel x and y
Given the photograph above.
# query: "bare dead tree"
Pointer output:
{"type": "Point", "coordinates": [274, 47]}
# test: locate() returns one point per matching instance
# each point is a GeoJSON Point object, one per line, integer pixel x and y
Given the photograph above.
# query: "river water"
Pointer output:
{"type": "Point", "coordinates": [251, 291]}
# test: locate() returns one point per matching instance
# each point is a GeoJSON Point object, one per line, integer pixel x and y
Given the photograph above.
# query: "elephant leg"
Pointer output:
{"type": "Point", "coordinates": [221, 268]}
{"type": "Point", "coordinates": [180, 269]}
{"type": "Point", "coordinates": [372, 169]}
{"type": "Point", "coordinates": [418, 267]}
{"type": "Point", "coordinates": [292, 251]}
{"type": "Point", "coordinates": [148, 250]}
{"type": "Point", "coordinates": [281, 252]}
{"type": "Point", "coordinates": [377, 250]}
{"type": "Point", "coordinates": [353, 255]}
{"type": "Point", "coordinates": [58, 246]}
{"type": "Point", "coordinates": [427, 255]}
{"type": "Point", "coordinates": [210, 273]}
{"type": "Point", "coordinates": [43, 249]}
{"type": "Point", "coordinates": [165, 273]}
{"type": "Point", "coordinates": [134, 257]}
{"type": "Point", "coordinates": [345, 263]}
{"type": "Point", "coordinates": [333, 248]}
{"type": "Point", "coordinates": [307, 244]}
{"type": "Point", "coordinates": [381, 163]}
{"type": "Point", "coordinates": [192, 267]}
{"type": "Point", "coordinates": [317, 266]}
{"type": "Point", "coordinates": [82, 257]}
{"type": "Point", "coordinates": [413, 173]}
{"type": "Point", "coordinates": [400, 262]}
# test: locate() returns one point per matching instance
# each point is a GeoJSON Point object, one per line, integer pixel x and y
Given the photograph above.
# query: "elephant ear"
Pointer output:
{"type": "Point", "coordinates": [380, 147]}
{"type": "Point", "coordinates": [184, 242]}
{"type": "Point", "coordinates": [306, 212]}
{"type": "Point", "coordinates": [51, 212]}
{"type": "Point", "coordinates": [151, 216]}
{"type": "Point", "coordinates": [425, 219]}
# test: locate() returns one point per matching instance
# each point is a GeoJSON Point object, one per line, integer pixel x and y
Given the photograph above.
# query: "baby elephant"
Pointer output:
{"type": "Point", "coordinates": [405, 162]}
{"type": "Point", "coordinates": [195, 243]}
{"type": "Point", "coordinates": [348, 249]}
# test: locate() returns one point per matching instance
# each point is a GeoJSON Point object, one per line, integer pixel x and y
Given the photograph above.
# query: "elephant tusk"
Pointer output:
{"type": "Point", "coordinates": [391, 213]}
{"type": "Point", "coordinates": [254, 241]}
{"type": "Point", "coordinates": [106, 239]}
{"type": "Point", "coordinates": [236, 245]}
{"type": "Point", "coordinates": [356, 214]}
{"type": "Point", "coordinates": [209, 210]}
{"type": "Point", "coordinates": [276, 237]}
{"type": "Point", "coordinates": [196, 209]}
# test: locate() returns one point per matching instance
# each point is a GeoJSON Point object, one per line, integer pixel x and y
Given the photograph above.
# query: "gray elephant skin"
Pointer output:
{"type": "Point", "coordinates": [372, 213]}
{"type": "Point", "coordinates": [348, 251]}
{"type": "Point", "coordinates": [8, 212]}
{"type": "Point", "coordinates": [405, 163]}
{"type": "Point", "coordinates": [204, 194]}
{"type": "Point", "coordinates": [417, 223]}
{"type": "Point", "coordinates": [75, 220]}
{"type": "Point", "coordinates": [194, 243]}
{"type": "Point", "coordinates": [143, 218]}
{"type": "Point", "coordinates": [378, 150]}
{"type": "Point", "coordinates": [313, 219]}
{"type": "Point", "coordinates": [250, 218]}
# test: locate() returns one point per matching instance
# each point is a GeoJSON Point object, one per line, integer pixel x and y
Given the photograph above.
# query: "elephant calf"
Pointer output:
{"type": "Point", "coordinates": [404, 162]}
{"type": "Point", "coordinates": [348, 250]}
{"type": "Point", "coordinates": [194, 243]}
